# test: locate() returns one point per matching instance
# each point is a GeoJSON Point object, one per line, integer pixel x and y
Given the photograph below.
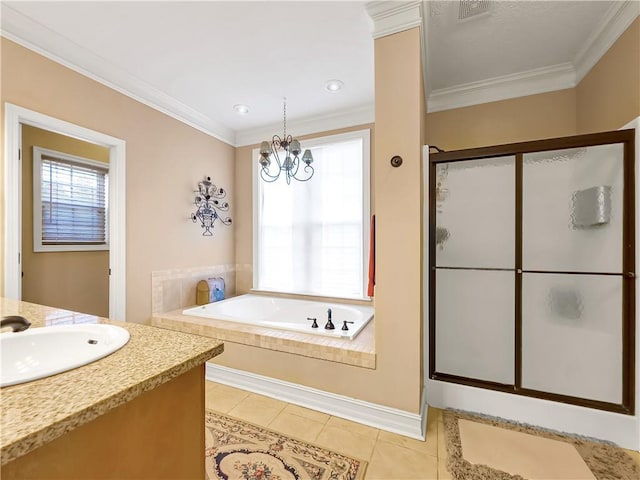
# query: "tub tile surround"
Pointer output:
{"type": "Point", "coordinates": [359, 351]}
{"type": "Point", "coordinates": [40, 411]}
{"type": "Point", "coordinates": [176, 288]}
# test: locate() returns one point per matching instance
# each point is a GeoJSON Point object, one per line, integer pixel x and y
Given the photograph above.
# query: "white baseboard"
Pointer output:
{"type": "Point", "coordinates": [377, 416]}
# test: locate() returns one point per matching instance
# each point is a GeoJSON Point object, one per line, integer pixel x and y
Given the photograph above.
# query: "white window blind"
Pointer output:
{"type": "Point", "coordinates": [312, 237]}
{"type": "Point", "coordinates": [70, 202]}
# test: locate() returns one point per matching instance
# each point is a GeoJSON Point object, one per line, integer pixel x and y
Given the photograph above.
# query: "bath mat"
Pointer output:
{"type": "Point", "coordinates": [236, 449]}
{"type": "Point", "coordinates": [600, 460]}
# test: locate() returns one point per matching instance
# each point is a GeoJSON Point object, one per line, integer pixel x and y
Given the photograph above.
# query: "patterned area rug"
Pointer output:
{"type": "Point", "coordinates": [242, 451]}
{"type": "Point", "coordinates": [605, 460]}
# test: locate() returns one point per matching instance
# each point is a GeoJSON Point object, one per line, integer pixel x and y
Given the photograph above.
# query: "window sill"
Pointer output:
{"type": "Point", "coordinates": [70, 248]}
{"type": "Point", "coordinates": [317, 298]}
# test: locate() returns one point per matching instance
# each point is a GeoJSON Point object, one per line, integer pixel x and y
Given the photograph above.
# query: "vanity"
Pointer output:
{"type": "Point", "coordinates": [136, 413]}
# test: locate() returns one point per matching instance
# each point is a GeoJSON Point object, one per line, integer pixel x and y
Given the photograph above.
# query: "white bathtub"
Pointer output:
{"type": "Point", "coordinates": [287, 314]}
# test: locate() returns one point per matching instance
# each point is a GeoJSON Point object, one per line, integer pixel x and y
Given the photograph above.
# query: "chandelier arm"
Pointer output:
{"type": "Point", "coordinates": [276, 144]}
{"type": "Point", "coordinates": [267, 177]}
{"type": "Point", "coordinates": [295, 166]}
{"type": "Point", "coordinates": [306, 170]}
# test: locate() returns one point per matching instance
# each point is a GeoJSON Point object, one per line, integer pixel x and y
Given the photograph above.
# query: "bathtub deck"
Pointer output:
{"type": "Point", "coordinates": [359, 352]}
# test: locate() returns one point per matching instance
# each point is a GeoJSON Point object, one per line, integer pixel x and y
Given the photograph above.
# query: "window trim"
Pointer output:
{"type": "Point", "coordinates": [38, 153]}
{"type": "Point", "coordinates": [365, 135]}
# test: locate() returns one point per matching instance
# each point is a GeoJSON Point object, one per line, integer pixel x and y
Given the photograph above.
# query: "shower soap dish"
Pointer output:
{"type": "Point", "coordinates": [591, 207]}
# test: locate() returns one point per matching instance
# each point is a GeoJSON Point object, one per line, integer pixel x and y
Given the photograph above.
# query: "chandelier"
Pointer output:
{"type": "Point", "coordinates": [290, 149]}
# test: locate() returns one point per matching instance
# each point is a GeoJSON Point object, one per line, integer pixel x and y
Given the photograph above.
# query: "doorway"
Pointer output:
{"type": "Point", "coordinates": [15, 118]}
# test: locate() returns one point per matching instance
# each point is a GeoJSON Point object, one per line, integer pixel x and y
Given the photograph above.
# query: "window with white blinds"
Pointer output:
{"type": "Point", "coordinates": [312, 237]}
{"type": "Point", "coordinates": [70, 202]}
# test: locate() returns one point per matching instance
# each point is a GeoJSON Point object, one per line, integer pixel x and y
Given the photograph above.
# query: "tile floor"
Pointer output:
{"type": "Point", "coordinates": [390, 456]}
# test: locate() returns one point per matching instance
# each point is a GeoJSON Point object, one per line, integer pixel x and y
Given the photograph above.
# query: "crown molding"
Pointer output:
{"type": "Point", "coordinates": [531, 82]}
{"type": "Point", "coordinates": [34, 36]}
{"type": "Point", "coordinates": [308, 125]}
{"type": "Point", "coordinates": [617, 19]}
{"type": "Point", "coordinates": [391, 17]}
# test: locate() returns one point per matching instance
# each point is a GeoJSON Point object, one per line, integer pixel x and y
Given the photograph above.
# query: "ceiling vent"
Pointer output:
{"type": "Point", "coordinates": [473, 8]}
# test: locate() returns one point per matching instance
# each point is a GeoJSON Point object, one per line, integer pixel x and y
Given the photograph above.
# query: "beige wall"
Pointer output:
{"type": "Point", "coordinates": [164, 161]}
{"type": "Point", "coordinates": [76, 281]}
{"type": "Point", "coordinates": [533, 117]}
{"type": "Point", "coordinates": [396, 382]}
{"type": "Point", "coordinates": [608, 97]}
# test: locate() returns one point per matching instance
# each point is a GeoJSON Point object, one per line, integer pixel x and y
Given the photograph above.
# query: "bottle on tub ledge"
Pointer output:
{"type": "Point", "coordinates": [210, 290]}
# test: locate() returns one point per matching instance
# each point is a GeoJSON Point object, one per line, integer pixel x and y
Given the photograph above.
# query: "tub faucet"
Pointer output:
{"type": "Point", "coordinates": [329, 325]}
{"type": "Point", "coordinates": [17, 323]}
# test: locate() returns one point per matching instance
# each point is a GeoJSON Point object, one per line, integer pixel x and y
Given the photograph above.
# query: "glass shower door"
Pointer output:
{"type": "Point", "coordinates": [474, 269]}
{"type": "Point", "coordinates": [572, 272]}
{"type": "Point", "coordinates": [532, 269]}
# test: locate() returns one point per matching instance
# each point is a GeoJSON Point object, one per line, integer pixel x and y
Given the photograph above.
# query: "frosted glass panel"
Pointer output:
{"type": "Point", "coordinates": [475, 213]}
{"type": "Point", "coordinates": [475, 327]}
{"type": "Point", "coordinates": [572, 335]}
{"type": "Point", "coordinates": [572, 208]}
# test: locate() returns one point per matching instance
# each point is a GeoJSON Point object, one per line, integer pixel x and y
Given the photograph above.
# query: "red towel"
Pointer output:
{"type": "Point", "coordinates": [372, 256]}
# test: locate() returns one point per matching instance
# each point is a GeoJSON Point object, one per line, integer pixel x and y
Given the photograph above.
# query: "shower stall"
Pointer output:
{"type": "Point", "coordinates": [532, 269]}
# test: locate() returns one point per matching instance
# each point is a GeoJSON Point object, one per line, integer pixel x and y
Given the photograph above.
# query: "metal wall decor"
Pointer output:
{"type": "Point", "coordinates": [208, 202]}
{"type": "Point", "coordinates": [290, 165]}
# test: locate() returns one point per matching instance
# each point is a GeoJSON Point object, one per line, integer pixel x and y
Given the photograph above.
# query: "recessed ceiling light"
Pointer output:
{"type": "Point", "coordinates": [333, 86]}
{"type": "Point", "coordinates": [241, 109]}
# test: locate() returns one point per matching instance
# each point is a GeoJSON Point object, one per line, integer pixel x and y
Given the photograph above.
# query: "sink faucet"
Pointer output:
{"type": "Point", "coordinates": [17, 323]}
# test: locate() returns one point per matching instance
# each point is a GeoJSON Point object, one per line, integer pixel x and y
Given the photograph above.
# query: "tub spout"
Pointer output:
{"type": "Point", "coordinates": [329, 325]}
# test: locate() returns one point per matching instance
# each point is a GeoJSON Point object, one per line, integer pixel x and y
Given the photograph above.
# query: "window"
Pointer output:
{"type": "Point", "coordinates": [70, 202]}
{"type": "Point", "coordinates": [313, 237]}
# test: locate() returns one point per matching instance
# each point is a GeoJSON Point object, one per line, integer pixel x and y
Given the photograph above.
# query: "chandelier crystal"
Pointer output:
{"type": "Point", "coordinates": [290, 149]}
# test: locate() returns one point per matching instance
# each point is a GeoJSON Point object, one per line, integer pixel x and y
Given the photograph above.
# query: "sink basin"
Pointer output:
{"type": "Point", "coordinates": [41, 352]}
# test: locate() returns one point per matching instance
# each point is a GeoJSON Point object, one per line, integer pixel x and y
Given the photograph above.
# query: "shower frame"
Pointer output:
{"type": "Point", "coordinates": [625, 137]}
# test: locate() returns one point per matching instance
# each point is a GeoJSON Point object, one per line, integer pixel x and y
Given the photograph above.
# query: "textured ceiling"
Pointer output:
{"type": "Point", "coordinates": [513, 37]}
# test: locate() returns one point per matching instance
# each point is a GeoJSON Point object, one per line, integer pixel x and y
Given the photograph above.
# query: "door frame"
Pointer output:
{"type": "Point", "coordinates": [15, 116]}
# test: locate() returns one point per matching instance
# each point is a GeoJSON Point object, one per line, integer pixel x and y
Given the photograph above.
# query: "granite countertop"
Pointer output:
{"type": "Point", "coordinates": [37, 412]}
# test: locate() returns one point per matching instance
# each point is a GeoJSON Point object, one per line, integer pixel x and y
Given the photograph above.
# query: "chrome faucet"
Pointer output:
{"type": "Point", "coordinates": [329, 325]}
{"type": "Point", "coordinates": [17, 323]}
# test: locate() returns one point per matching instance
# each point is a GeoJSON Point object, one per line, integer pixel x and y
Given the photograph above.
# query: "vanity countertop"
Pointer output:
{"type": "Point", "coordinates": [37, 412]}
